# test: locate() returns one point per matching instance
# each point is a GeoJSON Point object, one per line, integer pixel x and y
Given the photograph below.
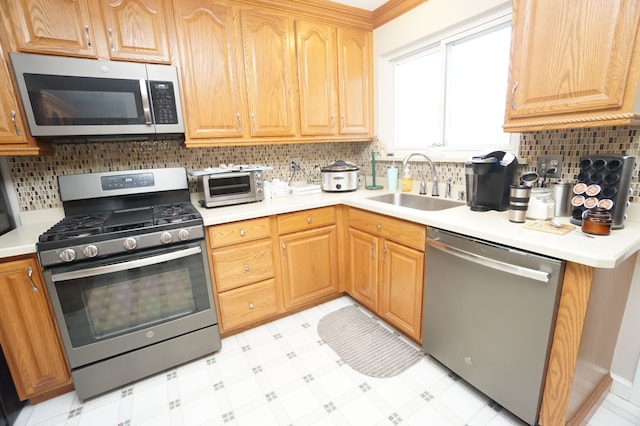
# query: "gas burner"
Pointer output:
{"type": "Point", "coordinates": [174, 213]}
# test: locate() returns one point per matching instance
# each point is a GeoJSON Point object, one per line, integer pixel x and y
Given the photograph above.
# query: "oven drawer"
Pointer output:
{"type": "Point", "coordinates": [242, 264]}
{"type": "Point", "coordinates": [307, 219]}
{"type": "Point", "coordinates": [239, 232]}
{"type": "Point", "coordinates": [247, 304]}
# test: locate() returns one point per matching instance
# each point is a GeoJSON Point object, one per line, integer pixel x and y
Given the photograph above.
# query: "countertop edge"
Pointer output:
{"type": "Point", "coordinates": [599, 252]}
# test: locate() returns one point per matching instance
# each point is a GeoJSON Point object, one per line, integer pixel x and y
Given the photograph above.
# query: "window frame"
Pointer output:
{"type": "Point", "coordinates": [438, 41]}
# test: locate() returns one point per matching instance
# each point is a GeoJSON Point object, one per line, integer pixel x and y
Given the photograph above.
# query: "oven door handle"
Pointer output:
{"type": "Point", "coordinates": [108, 269]}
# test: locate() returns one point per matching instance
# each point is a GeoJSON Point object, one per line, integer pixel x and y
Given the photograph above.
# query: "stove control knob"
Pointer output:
{"type": "Point", "coordinates": [166, 237]}
{"type": "Point", "coordinates": [68, 255]}
{"type": "Point", "coordinates": [90, 251]}
{"type": "Point", "coordinates": [184, 235]}
{"type": "Point", "coordinates": [130, 243]}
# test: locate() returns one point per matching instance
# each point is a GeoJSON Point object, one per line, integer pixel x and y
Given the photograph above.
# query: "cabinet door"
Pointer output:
{"type": "Point", "coordinates": [571, 58]}
{"type": "Point", "coordinates": [11, 123]}
{"type": "Point", "coordinates": [309, 265]}
{"type": "Point", "coordinates": [210, 70]}
{"type": "Point", "coordinates": [269, 60]}
{"type": "Point", "coordinates": [355, 77]}
{"type": "Point", "coordinates": [401, 288]}
{"type": "Point", "coordinates": [28, 333]}
{"type": "Point", "coordinates": [61, 27]}
{"type": "Point", "coordinates": [136, 30]}
{"type": "Point", "coordinates": [363, 268]}
{"type": "Point", "coordinates": [317, 69]}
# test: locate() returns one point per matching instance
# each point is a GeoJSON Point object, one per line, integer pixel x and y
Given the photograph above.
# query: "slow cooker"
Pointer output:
{"type": "Point", "coordinates": [341, 176]}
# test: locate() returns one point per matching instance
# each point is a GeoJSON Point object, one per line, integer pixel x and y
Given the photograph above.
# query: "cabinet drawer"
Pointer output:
{"type": "Point", "coordinates": [242, 264]}
{"type": "Point", "coordinates": [247, 304]}
{"type": "Point", "coordinates": [404, 232]}
{"type": "Point", "coordinates": [307, 219]}
{"type": "Point", "coordinates": [239, 232]}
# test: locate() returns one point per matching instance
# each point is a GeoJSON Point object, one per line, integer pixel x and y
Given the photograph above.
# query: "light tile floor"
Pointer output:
{"type": "Point", "coordinates": [283, 374]}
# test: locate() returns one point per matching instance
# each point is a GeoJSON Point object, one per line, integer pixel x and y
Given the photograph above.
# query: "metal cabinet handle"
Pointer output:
{"type": "Point", "coordinates": [239, 121]}
{"type": "Point", "coordinates": [146, 107]}
{"type": "Point", "coordinates": [251, 306]}
{"type": "Point", "coordinates": [309, 219]}
{"type": "Point", "coordinates": [246, 267]}
{"type": "Point", "coordinates": [15, 124]}
{"type": "Point", "coordinates": [253, 122]}
{"type": "Point", "coordinates": [384, 252]}
{"type": "Point", "coordinates": [243, 232]}
{"type": "Point", "coordinates": [378, 227]}
{"type": "Point", "coordinates": [333, 121]}
{"type": "Point", "coordinates": [110, 31]}
{"type": "Point", "coordinates": [373, 251]}
{"type": "Point", "coordinates": [513, 95]}
{"type": "Point", "coordinates": [34, 287]}
{"type": "Point", "coordinates": [284, 249]}
{"type": "Point", "coordinates": [342, 124]}
{"type": "Point", "coordinates": [86, 32]}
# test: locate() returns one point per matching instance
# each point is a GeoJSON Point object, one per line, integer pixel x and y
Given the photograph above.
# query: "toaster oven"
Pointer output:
{"type": "Point", "coordinates": [229, 188]}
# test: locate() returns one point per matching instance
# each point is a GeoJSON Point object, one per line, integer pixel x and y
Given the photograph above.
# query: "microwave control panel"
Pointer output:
{"type": "Point", "coordinates": [164, 102]}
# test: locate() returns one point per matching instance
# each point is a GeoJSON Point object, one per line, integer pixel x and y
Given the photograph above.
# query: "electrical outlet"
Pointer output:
{"type": "Point", "coordinates": [294, 164]}
{"type": "Point", "coordinates": [550, 162]}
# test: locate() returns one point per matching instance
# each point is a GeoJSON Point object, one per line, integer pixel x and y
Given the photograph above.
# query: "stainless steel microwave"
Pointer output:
{"type": "Point", "coordinates": [229, 188]}
{"type": "Point", "coordinates": [86, 97]}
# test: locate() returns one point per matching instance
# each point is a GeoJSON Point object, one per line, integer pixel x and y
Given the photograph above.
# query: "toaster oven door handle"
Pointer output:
{"type": "Point", "coordinates": [146, 107]}
{"type": "Point", "coordinates": [138, 263]}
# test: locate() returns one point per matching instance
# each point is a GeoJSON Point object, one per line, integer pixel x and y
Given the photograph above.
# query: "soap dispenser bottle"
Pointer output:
{"type": "Point", "coordinates": [406, 179]}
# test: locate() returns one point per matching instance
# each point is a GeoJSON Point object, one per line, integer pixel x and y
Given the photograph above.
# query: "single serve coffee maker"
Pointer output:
{"type": "Point", "coordinates": [488, 178]}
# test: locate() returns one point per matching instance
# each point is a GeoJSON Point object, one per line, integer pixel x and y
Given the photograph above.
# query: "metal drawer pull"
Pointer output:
{"type": "Point", "coordinates": [513, 95]}
{"type": "Point", "coordinates": [239, 121]}
{"type": "Point", "coordinates": [110, 31]}
{"type": "Point", "coordinates": [34, 287]}
{"type": "Point", "coordinates": [251, 306]}
{"type": "Point", "coordinates": [246, 267]}
{"type": "Point", "coordinates": [243, 232]}
{"type": "Point", "coordinates": [309, 219]}
{"type": "Point", "coordinates": [86, 32]}
{"type": "Point", "coordinates": [492, 263]}
{"type": "Point", "coordinates": [378, 227]}
{"type": "Point", "coordinates": [15, 124]}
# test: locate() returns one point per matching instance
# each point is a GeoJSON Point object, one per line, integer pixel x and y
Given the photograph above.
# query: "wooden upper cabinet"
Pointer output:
{"type": "Point", "coordinates": [573, 64]}
{"type": "Point", "coordinates": [137, 30]}
{"type": "Point", "coordinates": [269, 60]}
{"type": "Point", "coordinates": [210, 67]}
{"type": "Point", "coordinates": [317, 76]}
{"type": "Point", "coordinates": [355, 75]}
{"type": "Point", "coordinates": [132, 30]}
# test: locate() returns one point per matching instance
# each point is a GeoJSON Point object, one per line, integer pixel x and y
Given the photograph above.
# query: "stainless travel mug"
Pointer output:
{"type": "Point", "coordinates": [518, 202]}
{"type": "Point", "coordinates": [561, 194]}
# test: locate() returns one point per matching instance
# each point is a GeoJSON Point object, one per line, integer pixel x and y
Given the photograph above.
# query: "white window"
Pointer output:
{"type": "Point", "coordinates": [448, 94]}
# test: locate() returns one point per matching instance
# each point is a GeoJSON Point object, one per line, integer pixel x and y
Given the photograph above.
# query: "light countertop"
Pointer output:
{"type": "Point", "coordinates": [600, 251]}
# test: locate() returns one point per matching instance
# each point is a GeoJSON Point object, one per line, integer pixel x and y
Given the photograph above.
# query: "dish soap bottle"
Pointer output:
{"type": "Point", "coordinates": [406, 179]}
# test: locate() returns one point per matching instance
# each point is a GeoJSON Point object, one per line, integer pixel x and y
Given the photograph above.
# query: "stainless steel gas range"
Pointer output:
{"type": "Point", "coordinates": [128, 278]}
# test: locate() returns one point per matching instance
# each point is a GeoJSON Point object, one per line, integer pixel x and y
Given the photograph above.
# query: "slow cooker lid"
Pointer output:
{"type": "Point", "coordinates": [340, 166]}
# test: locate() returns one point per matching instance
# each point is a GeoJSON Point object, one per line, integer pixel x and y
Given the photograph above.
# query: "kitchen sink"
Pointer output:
{"type": "Point", "coordinates": [419, 202]}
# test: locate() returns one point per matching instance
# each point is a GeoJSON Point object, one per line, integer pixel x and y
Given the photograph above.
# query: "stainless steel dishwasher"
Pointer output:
{"type": "Point", "coordinates": [489, 315]}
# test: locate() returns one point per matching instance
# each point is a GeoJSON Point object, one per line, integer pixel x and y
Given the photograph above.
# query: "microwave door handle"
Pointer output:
{"type": "Point", "coordinates": [146, 108]}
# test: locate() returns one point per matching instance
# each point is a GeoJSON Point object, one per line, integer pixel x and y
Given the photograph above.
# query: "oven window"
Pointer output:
{"type": "Point", "coordinates": [77, 101]}
{"type": "Point", "coordinates": [230, 185]}
{"type": "Point", "coordinates": [108, 305]}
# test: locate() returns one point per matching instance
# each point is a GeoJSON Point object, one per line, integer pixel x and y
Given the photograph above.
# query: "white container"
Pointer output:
{"type": "Point", "coordinates": [392, 178]}
{"type": "Point", "coordinates": [541, 204]}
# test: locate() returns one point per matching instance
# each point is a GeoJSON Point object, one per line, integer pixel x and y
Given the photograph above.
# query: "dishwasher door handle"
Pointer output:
{"type": "Point", "coordinates": [492, 263]}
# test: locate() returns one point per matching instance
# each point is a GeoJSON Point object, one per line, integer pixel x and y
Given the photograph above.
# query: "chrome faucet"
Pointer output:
{"type": "Point", "coordinates": [447, 188]}
{"type": "Point", "coordinates": [434, 172]}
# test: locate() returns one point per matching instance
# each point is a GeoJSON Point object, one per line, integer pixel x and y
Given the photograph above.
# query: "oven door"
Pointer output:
{"type": "Point", "coordinates": [108, 307]}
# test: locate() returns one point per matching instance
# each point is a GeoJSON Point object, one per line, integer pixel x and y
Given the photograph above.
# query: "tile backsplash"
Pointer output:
{"type": "Point", "coordinates": [36, 185]}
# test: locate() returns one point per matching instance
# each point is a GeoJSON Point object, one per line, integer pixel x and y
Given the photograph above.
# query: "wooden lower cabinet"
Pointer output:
{"type": "Point", "coordinates": [386, 264]}
{"type": "Point", "coordinates": [243, 273]}
{"type": "Point", "coordinates": [308, 255]}
{"type": "Point", "coordinates": [28, 332]}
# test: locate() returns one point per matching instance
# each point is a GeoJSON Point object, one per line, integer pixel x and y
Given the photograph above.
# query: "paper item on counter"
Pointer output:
{"type": "Point", "coordinates": [223, 168]}
{"type": "Point", "coordinates": [310, 188]}
{"type": "Point", "coordinates": [545, 226]}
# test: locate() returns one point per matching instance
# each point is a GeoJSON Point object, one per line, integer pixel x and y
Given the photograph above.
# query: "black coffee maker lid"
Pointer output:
{"type": "Point", "coordinates": [488, 158]}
